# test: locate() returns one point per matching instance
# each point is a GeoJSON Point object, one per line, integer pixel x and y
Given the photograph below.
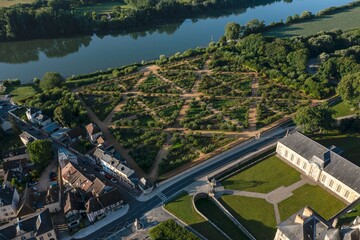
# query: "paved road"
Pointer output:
{"type": "Point", "coordinates": [138, 209]}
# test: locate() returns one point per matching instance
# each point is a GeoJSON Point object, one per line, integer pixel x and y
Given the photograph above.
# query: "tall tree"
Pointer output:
{"type": "Point", "coordinates": [51, 80]}
{"type": "Point", "coordinates": [349, 89]}
{"type": "Point", "coordinates": [232, 31]}
{"type": "Point", "coordinates": [40, 152]}
{"type": "Point", "coordinates": [315, 118]}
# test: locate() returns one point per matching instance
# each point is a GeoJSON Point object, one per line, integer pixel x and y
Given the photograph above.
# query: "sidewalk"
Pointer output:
{"type": "Point", "coordinates": [167, 183]}
{"type": "Point", "coordinates": [111, 217]}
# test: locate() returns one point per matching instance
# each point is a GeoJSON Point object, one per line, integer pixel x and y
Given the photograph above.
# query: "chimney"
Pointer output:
{"type": "Point", "coordinates": [335, 222]}
{"type": "Point", "coordinates": [299, 219]}
{"type": "Point", "coordinates": [307, 212]}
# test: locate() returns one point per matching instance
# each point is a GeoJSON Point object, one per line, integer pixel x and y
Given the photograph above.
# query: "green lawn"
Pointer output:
{"type": "Point", "coordinates": [349, 143]}
{"type": "Point", "coordinates": [22, 92]}
{"type": "Point", "coordinates": [255, 214]}
{"type": "Point", "coordinates": [313, 196]}
{"type": "Point", "coordinates": [325, 23]}
{"type": "Point", "coordinates": [349, 217]}
{"type": "Point", "coordinates": [183, 209]}
{"type": "Point", "coordinates": [263, 177]}
{"type": "Point", "coordinates": [213, 213]}
{"type": "Point", "coordinates": [102, 7]}
{"type": "Point", "coordinates": [342, 109]}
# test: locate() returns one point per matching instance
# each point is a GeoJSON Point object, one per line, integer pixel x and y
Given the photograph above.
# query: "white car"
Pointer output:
{"type": "Point", "coordinates": [102, 173]}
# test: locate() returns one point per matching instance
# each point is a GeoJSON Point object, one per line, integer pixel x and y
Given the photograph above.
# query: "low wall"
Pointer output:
{"type": "Point", "coordinates": [201, 196]}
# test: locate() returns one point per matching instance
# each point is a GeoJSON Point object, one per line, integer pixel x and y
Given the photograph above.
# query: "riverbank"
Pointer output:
{"type": "Point", "coordinates": [28, 59]}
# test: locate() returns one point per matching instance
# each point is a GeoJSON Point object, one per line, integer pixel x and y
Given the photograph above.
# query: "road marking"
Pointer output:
{"type": "Point", "coordinates": [161, 196]}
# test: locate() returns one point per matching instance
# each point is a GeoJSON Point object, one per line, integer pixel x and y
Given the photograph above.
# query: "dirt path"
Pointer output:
{"type": "Point", "coordinates": [170, 82]}
{"type": "Point", "coordinates": [164, 150]}
{"type": "Point", "coordinates": [252, 111]}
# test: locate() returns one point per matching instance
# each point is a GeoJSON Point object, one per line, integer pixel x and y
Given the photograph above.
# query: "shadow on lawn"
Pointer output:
{"type": "Point", "coordinates": [256, 228]}
{"type": "Point", "coordinates": [241, 185]}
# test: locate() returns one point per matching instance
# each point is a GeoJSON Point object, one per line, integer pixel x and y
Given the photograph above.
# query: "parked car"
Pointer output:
{"type": "Point", "coordinates": [102, 173]}
{"type": "Point", "coordinates": [97, 169]}
{"type": "Point", "coordinates": [34, 188]}
{"type": "Point", "coordinates": [114, 180]}
{"type": "Point", "coordinates": [108, 176]}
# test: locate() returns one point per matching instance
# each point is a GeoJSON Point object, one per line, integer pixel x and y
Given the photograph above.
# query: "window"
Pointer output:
{"type": "Point", "coordinates": [323, 178]}
{"type": "Point", "coordinates": [49, 234]}
{"type": "Point", "coordinates": [286, 153]}
{"type": "Point", "coordinates": [41, 238]}
{"type": "Point", "coordinates": [292, 157]}
{"type": "Point", "coordinates": [304, 165]}
{"type": "Point", "coordinates": [338, 189]}
{"type": "Point", "coordinates": [346, 195]}
{"type": "Point", "coordinates": [331, 183]}
{"type": "Point", "coordinates": [298, 161]}
{"type": "Point", "coordinates": [6, 214]}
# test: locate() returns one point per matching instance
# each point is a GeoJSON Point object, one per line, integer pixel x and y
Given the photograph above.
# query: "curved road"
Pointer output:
{"type": "Point", "coordinates": [138, 209]}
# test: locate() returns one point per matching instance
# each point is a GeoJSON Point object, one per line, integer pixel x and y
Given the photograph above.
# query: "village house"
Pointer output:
{"type": "Point", "coordinates": [26, 137]}
{"type": "Point", "coordinates": [37, 226]}
{"type": "Point", "coordinates": [323, 165]}
{"type": "Point", "coordinates": [307, 224]}
{"type": "Point", "coordinates": [65, 156]}
{"type": "Point", "coordinates": [74, 208]}
{"type": "Point", "coordinates": [9, 200]}
{"type": "Point", "coordinates": [77, 180]}
{"type": "Point", "coordinates": [74, 134]}
{"type": "Point", "coordinates": [36, 201]}
{"type": "Point", "coordinates": [35, 116]}
{"type": "Point", "coordinates": [93, 132]}
{"type": "Point", "coordinates": [113, 166]}
{"type": "Point", "coordinates": [98, 207]}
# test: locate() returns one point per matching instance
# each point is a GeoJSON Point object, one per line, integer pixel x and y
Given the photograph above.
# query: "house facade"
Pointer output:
{"type": "Point", "coordinates": [99, 206]}
{"type": "Point", "coordinates": [9, 200]}
{"type": "Point", "coordinates": [323, 165]}
{"type": "Point", "coordinates": [26, 137]}
{"type": "Point", "coordinates": [35, 116]}
{"type": "Point", "coordinates": [113, 166]}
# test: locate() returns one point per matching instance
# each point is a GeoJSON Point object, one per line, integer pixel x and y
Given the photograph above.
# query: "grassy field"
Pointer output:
{"type": "Point", "coordinates": [313, 196]}
{"type": "Point", "coordinates": [342, 109]}
{"type": "Point", "coordinates": [101, 8]}
{"type": "Point", "coordinates": [213, 213]}
{"type": "Point", "coordinates": [183, 209]}
{"type": "Point", "coordinates": [349, 143]}
{"type": "Point", "coordinates": [8, 3]}
{"type": "Point", "coordinates": [325, 23]}
{"type": "Point", "coordinates": [22, 92]}
{"type": "Point", "coordinates": [263, 177]}
{"type": "Point", "coordinates": [255, 214]}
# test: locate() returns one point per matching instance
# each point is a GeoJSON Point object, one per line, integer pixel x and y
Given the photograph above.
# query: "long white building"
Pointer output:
{"type": "Point", "coordinates": [323, 165]}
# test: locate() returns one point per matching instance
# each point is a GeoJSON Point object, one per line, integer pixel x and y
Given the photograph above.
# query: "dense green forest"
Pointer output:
{"type": "Point", "coordinates": [50, 18]}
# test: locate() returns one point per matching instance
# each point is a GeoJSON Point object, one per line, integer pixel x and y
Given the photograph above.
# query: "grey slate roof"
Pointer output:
{"type": "Point", "coordinates": [313, 225]}
{"type": "Point", "coordinates": [38, 223]}
{"type": "Point", "coordinates": [331, 162]}
{"type": "Point", "coordinates": [6, 195]}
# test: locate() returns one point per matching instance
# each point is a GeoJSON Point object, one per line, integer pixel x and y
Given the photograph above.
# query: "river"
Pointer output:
{"type": "Point", "coordinates": [28, 59]}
